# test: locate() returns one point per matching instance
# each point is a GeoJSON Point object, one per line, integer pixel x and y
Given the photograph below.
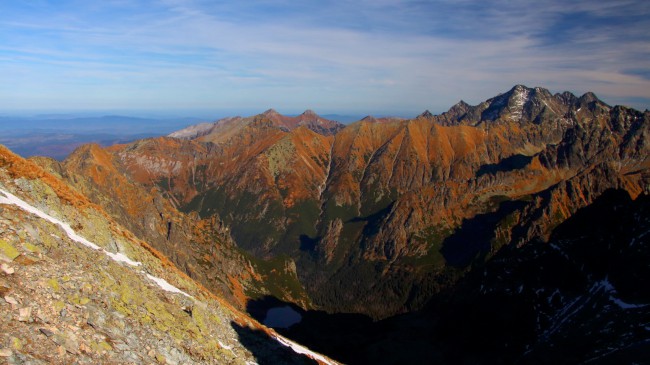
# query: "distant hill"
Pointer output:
{"type": "Point", "coordinates": [55, 135]}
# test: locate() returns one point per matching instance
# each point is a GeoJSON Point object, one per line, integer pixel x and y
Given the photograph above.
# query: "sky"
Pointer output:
{"type": "Point", "coordinates": [380, 57]}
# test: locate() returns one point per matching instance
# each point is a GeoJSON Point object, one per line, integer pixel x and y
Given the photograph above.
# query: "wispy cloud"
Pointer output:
{"type": "Point", "coordinates": [364, 56]}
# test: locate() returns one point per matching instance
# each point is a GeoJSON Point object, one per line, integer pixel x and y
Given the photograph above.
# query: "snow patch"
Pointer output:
{"type": "Point", "coordinates": [192, 131]}
{"type": "Point", "coordinates": [10, 199]}
{"type": "Point", "coordinates": [303, 350]}
{"type": "Point", "coordinates": [223, 345]}
{"type": "Point", "coordinates": [609, 288]}
{"type": "Point", "coordinates": [625, 305]}
{"type": "Point", "coordinates": [164, 285]}
{"type": "Point", "coordinates": [520, 97]}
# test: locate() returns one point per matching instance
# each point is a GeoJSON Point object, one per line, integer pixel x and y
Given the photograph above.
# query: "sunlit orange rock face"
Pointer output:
{"type": "Point", "coordinates": [201, 247]}
{"type": "Point", "coordinates": [381, 213]}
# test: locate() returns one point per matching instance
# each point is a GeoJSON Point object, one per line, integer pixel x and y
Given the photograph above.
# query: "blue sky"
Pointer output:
{"type": "Point", "coordinates": [366, 57]}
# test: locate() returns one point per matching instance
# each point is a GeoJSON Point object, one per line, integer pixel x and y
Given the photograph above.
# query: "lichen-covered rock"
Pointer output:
{"type": "Point", "coordinates": [7, 251]}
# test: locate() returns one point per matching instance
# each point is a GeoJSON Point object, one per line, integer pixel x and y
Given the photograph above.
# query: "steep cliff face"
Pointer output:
{"type": "Point", "coordinates": [383, 213]}
{"type": "Point", "coordinates": [78, 287]}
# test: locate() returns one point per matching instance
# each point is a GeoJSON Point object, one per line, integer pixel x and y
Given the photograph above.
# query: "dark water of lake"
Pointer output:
{"type": "Point", "coordinates": [282, 317]}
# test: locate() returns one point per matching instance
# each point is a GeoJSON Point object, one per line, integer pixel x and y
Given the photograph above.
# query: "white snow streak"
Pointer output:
{"type": "Point", "coordinates": [303, 350]}
{"type": "Point", "coordinates": [223, 345]}
{"type": "Point", "coordinates": [625, 305]}
{"type": "Point", "coordinates": [162, 283]}
{"type": "Point", "coordinates": [609, 288]}
{"type": "Point", "coordinates": [226, 347]}
{"type": "Point", "coordinates": [10, 199]}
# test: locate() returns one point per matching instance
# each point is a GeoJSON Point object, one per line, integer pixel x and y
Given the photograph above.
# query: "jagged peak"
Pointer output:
{"type": "Point", "coordinates": [566, 97]}
{"type": "Point", "coordinates": [88, 147]}
{"type": "Point", "coordinates": [459, 106]}
{"type": "Point", "coordinates": [567, 94]}
{"type": "Point", "coordinates": [520, 91]}
{"type": "Point", "coordinates": [588, 97]}
{"type": "Point", "coordinates": [520, 88]}
{"type": "Point", "coordinates": [426, 114]}
{"type": "Point", "coordinates": [270, 112]}
{"type": "Point", "coordinates": [89, 152]}
{"type": "Point", "coordinates": [523, 90]}
{"type": "Point", "coordinates": [381, 120]}
{"type": "Point", "coordinates": [309, 112]}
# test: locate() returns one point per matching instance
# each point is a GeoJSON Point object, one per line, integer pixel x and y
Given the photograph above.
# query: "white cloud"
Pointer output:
{"type": "Point", "coordinates": [399, 55]}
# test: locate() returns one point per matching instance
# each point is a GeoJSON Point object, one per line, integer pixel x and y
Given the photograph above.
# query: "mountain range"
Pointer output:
{"type": "Point", "coordinates": [492, 233]}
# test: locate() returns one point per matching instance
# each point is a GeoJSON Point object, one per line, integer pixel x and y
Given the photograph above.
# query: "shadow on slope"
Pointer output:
{"type": "Point", "coordinates": [338, 335]}
{"type": "Point", "coordinates": [267, 350]}
{"type": "Point", "coordinates": [582, 297]}
{"type": "Point", "coordinates": [473, 238]}
{"type": "Point", "coordinates": [515, 162]}
{"type": "Point", "coordinates": [258, 309]}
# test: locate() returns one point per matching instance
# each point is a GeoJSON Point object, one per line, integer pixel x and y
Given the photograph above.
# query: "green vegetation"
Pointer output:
{"type": "Point", "coordinates": [279, 279]}
{"type": "Point", "coordinates": [333, 211]}
{"type": "Point", "coordinates": [375, 199]}
{"type": "Point", "coordinates": [432, 237]}
{"type": "Point", "coordinates": [252, 224]}
{"type": "Point", "coordinates": [301, 221]}
{"type": "Point", "coordinates": [8, 250]}
{"type": "Point", "coordinates": [496, 200]}
{"type": "Point", "coordinates": [54, 284]}
{"type": "Point", "coordinates": [503, 231]}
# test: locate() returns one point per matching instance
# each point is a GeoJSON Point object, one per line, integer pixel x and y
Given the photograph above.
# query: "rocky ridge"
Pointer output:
{"type": "Point", "coordinates": [223, 127]}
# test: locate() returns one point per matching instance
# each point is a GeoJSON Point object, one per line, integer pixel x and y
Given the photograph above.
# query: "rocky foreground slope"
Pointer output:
{"type": "Point", "coordinates": [77, 287]}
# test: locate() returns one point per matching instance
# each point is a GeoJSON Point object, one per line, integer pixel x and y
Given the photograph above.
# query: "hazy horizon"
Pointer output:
{"type": "Point", "coordinates": [211, 115]}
